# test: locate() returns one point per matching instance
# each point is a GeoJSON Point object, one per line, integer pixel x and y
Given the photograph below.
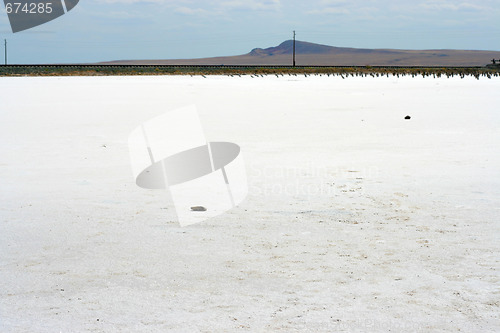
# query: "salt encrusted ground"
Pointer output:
{"type": "Point", "coordinates": [357, 220]}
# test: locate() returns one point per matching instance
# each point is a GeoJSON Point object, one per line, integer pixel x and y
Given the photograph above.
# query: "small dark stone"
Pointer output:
{"type": "Point", "coordinates": [407, 117]}
{"type": "Point", "coordinates": [198, 209]}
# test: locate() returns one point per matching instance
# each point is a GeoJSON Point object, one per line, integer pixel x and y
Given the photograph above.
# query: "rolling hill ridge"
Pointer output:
{"type": "Point", "coordinates": [317, 54]}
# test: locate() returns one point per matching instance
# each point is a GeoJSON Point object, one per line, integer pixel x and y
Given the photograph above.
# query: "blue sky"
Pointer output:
{"type": "Point", "coordinates": [101, 30]}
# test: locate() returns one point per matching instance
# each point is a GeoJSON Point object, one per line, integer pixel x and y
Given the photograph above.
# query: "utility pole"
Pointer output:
{"type": "Point", "coordinates": [5, 45]}
{"type": "Point", "coordinates": [293, 48]}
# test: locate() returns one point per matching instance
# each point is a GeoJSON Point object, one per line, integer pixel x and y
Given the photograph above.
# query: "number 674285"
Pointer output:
{"type": "Point", "coordinates": [29, 8]}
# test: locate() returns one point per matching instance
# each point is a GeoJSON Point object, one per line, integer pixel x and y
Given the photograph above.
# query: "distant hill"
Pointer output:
{"type": "Point", "coordinates": [317, 54]}
{"type": "Point", "coordinates": [300, 48]}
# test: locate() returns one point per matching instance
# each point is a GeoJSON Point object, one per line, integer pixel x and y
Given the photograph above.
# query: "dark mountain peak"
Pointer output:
{"type": "Point", "coordinates": [300, 48]}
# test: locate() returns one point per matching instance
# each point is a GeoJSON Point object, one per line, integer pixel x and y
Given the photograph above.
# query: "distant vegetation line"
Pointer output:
{"type": "Point", "coordinates": [344, 71]}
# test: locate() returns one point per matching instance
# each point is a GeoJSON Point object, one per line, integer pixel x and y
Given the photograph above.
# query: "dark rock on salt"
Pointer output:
{"type": "Point", "coordinates": [198, 209]}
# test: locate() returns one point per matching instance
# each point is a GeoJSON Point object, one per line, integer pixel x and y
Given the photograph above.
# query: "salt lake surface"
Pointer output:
{"type": "Point", "coordinates": [356, 219]}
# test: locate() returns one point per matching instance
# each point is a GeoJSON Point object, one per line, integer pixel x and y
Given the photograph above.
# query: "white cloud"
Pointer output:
{"type": "Point", "coordinates": [252, 5]}
{"type": "Point", "coordinates": [214, 4]}
{"type": "Point", "coordinates": [329, 7]}
{"type": "Point", "coordinates": [450, 5]}
{"type": "Point", "coordinates": [206, 8]}
{"type": "Point", "coordinates": [329, 10]}
{"type": "Point", "coordinates": [333, 2]}
{"type": "Point", "coordinates": [192, 11]}
{"type": "Point", "coordinates": [139, 1]}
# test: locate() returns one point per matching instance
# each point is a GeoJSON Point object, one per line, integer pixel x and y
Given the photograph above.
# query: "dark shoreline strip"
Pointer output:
{"type": "Point", "coordinates": [344, 71]}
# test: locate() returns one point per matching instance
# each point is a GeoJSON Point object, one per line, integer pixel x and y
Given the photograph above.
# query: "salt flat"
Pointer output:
{"type": "Point", "coordinates": [356, 219]}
